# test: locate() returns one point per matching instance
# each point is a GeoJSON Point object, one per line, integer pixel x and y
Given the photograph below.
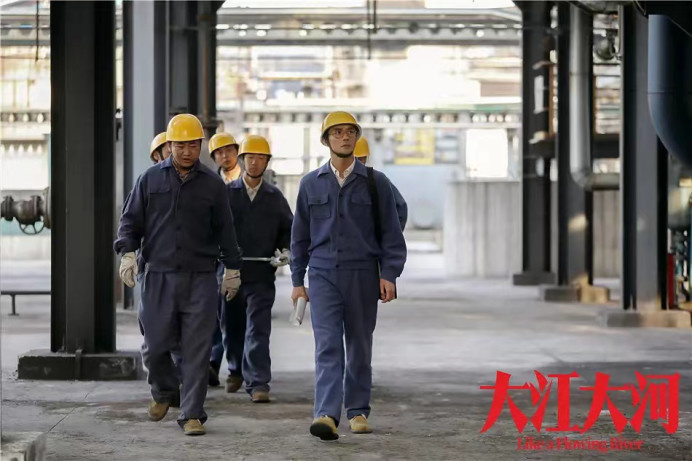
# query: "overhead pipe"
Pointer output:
{"type": "Point", "coordinates": [670, 86]}
{"type": "Point", "coordinates": [581, 106]}
{"type": "Point", "coordinates": [596, 7]}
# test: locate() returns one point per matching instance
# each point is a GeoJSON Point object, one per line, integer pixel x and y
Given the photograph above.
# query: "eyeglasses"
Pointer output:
{"type": "Point", "coordinates": [341, 132]}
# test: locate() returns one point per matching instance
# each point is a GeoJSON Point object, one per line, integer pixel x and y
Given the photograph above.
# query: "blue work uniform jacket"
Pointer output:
{"type": "Point", "coordinates": [262, 226]}
{"type": "Point", "coordinates": [333, 227]}
{"type": "Point", "coordinates": [401, 206]}
{"type": "Point", "coordinates": [179, 225]}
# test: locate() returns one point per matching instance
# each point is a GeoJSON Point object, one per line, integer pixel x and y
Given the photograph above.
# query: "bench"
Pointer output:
{"type": "Point", "coordinates": [14, 293]}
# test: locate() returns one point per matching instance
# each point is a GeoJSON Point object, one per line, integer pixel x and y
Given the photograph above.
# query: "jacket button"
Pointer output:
{"type": "Point", "coordinates": [337, 266]}
{"type": "Point", "coordinates": [341, 215]}
{"type": "Point", "coordinates": [178, 247]}
{"type": "Point", "coordinates": [178, 267]}
{"type": "Point", "coordinates": [339, 250]}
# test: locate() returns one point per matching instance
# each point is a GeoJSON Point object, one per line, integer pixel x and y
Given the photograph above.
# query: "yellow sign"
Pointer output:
{"type": "Point", "coordinates": [414, 146]}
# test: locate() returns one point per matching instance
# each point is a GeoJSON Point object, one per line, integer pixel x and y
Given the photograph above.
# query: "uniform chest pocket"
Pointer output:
{"type": "Point", "coordinates": [159, 197]}
{"type": "Point", "coordinates": [361, 208]}
{"type": "Point", "coordinates": [319, 206]}
{"type": "Point", "coordinates": [361, 200]}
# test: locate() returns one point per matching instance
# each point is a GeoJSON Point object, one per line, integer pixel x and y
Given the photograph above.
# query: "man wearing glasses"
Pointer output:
{"type": "Point", "coordinates": [350, 270]}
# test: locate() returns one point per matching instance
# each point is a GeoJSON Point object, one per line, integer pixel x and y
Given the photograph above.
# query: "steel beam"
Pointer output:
{"type": "Point", "coordinates": [575, 204]}
{"type": "Point", "coordinates": [206, 65]}
{"type": "Point", "coordinates": [536, 49]}
{"type": "Point", "coordinates": [83, 134]}
{"type": "Point", "coordinates": [644, 193]}
{"type": "Point", "coordinates": [650, 190]}
{"type": "Point", "coordinates": [628, 146]}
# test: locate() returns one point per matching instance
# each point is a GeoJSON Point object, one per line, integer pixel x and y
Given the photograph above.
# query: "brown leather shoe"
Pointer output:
{"type": "Point", "coordinates": [157, 410]}
{"type": "Point", "coordinates": [324, 427]}
{"type": "Point", "coordinates": [260, 397]}
{"type": "Point", "coordinates": [233, 383]}
{"type": "Point", "coordinates": [194, 427]}
{"type": "Point", "coordinates": [359, 425]}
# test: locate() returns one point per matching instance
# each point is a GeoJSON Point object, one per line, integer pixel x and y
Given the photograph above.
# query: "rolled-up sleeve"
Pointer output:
{"type": "Point", "coordinates": [300, 238]}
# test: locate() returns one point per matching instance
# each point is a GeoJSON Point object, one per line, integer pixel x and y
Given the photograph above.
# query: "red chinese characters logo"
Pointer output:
{"type": "Point", "coordinates": [657, 393]}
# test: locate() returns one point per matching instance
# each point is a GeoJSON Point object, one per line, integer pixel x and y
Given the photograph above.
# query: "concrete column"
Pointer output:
{"type": "Point", "coordinates": [481, 228]}
{"type": "Point", "coordinates": [513, 155]}
{"type": "Point", "coordinates": [462, 155]}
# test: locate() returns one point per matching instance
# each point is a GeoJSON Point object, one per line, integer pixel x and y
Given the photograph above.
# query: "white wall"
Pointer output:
{"type": "Point", "coordinates": [482, 230]}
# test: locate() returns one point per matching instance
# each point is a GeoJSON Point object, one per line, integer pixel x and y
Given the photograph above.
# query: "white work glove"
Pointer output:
{"type": "Point", "coordinates": [230, 283]}
{"type": "Point", "coordinates": [280, 258]}
{"type": "Point", "coordinates": [128, 269]}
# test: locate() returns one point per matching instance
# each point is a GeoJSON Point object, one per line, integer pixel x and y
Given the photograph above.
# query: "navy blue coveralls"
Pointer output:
{"type": "Point", "coordinates": [181, 227]}
{"type": "Point", "coordinates": [217, 344]}
{"type": "Point", "coordinates": [333, 233]}
{"type": "Point", "coordinates": [262, 226]}
{"type": "Point", "coordinates": [175, 353]}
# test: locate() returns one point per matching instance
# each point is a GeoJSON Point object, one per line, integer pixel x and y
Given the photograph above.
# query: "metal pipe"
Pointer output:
{"type": "Point", "coordinates": [581, 119]}
{"type": "Point", "coordinates": [669, 87]}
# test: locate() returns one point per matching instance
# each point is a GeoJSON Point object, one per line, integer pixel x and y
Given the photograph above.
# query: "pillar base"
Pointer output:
{"type": "Point", "coordinates": [589, 294]}
{"type": "Point", "coordinates": [113, 366]}
{"type": "Point", "coordinates": [666, 319]}
{"type": "Point", "coordinates": [27, 446]}
{"type": "Point", "coordinates": [530, 278]}
{"type": "Point", "coordinates": [592, 294]}
{"type": "Point", "coordinates": [558, 293]}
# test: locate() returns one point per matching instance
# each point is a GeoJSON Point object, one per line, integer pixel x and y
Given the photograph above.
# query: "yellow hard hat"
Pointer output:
{"type": "Point", "coordinates": [362, 148]}
{"type": "Point", "coordinates": [184, 127]}
{"type": "Point", "coordinates": [158, 141]}
{"type": "Point", "coordinates": [338, 118]}
{"type": "Point", "coordinates": [220, 140]}
{"type": "Point", "coordinates": [254, 144]}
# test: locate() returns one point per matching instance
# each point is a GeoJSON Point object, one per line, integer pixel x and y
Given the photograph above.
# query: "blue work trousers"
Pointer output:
{"type": "Point", "coordinates": [254, 302]}
{"type": "Point", "coordinates": [343, 305]}
{"type": "Point", "coordinates": [176, 356]}
{"type": "Point", "coordinates": [179, 308]}
{"type": "Point", "coordinates": [233, 321]}
{"type": "Point", "coordinates": [217, 338]}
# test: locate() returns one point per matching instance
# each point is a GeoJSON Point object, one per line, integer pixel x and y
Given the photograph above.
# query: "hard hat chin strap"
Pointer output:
{"type": "Point", "coordinates": [242, 160]}
{"type": "Point", "coordinates": [256, 177]}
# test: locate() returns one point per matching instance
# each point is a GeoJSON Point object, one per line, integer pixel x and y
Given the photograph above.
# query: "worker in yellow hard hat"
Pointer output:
{"type": "Point", "coordinates": [179, 216]}
{"type": "Point", "coordinates": [362, 152]}
{"type": "Point", "coordinates": [262, 220]}
{"type": "Point", "coordinates": [159, 149]}
{"type": "Point", "coordinates": [224, 151]}
{"type": "Point", "coordinates": [355, 254]}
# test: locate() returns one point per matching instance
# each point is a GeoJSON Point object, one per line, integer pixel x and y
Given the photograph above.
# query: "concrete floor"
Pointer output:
{"type": "Point", "coordinates": [433, 348]}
